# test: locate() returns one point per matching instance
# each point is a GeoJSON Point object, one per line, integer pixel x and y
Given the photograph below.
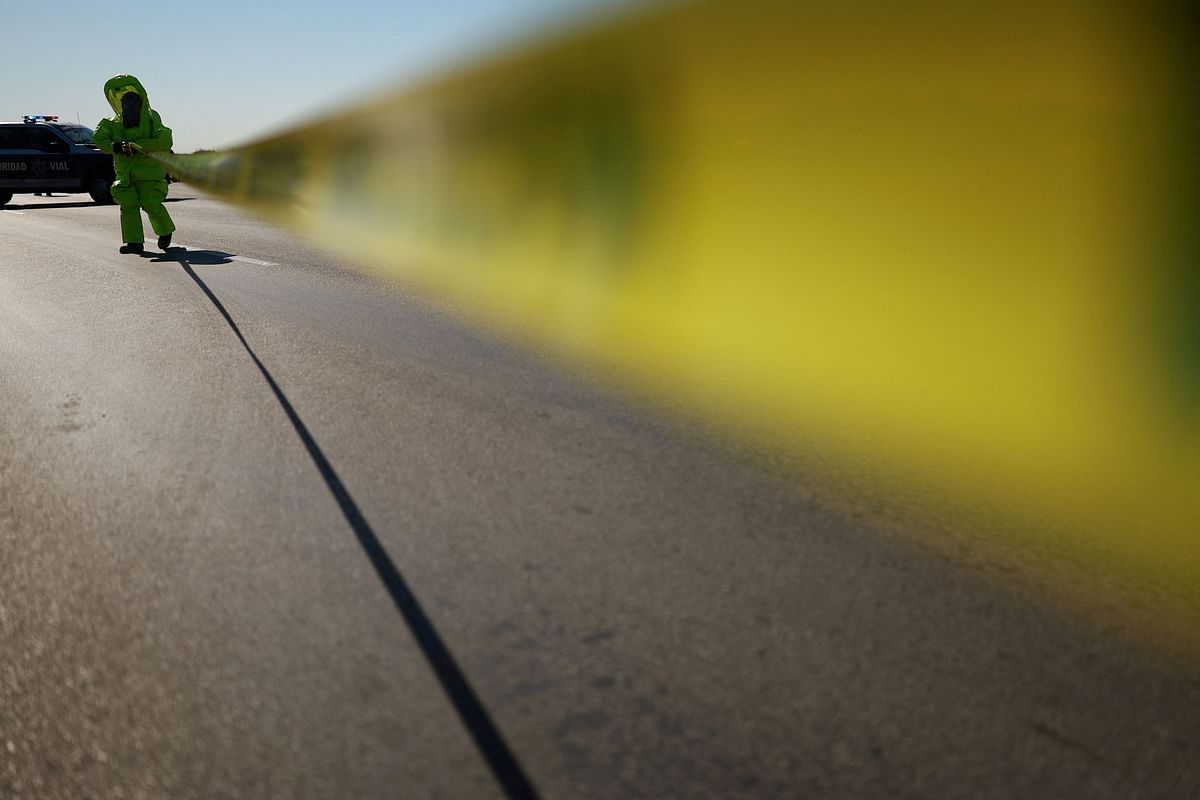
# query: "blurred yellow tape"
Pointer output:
{"type": "Point", "coordinates": [951, 244]}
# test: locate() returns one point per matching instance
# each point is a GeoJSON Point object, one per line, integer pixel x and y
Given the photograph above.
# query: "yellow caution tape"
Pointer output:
{"type": "Point", "coordinates": [950, 245]}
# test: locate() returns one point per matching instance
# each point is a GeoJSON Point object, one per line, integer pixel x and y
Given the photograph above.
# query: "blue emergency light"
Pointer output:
{"type": "Point", "coordinates": [30, 118]}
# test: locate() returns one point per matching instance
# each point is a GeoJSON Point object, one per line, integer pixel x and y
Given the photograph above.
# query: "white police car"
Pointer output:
{"type": "Point", "coordinates": [41, 154]}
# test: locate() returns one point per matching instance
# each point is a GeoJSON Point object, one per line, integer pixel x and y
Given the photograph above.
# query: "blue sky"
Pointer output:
{"type": "Point", "coordinates": [222, 72]}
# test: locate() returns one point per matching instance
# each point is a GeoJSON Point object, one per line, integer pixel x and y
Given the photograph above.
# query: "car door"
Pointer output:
{"type": "Point", "coordinates": [50, 164]}
{"type": "Point", "coordinates": [15, 158]}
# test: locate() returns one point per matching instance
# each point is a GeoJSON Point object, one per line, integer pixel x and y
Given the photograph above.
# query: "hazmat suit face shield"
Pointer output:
{"type": "Point", "coordinates": [131, 109]}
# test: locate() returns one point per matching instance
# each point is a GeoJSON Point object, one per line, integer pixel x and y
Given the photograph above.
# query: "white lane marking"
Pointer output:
{"type": "Point", "coordinates": [232, 257]}
{"type": "Point", "coordinates": [255, 261]}
{"type": "Point", "coordinates": [12, 211]}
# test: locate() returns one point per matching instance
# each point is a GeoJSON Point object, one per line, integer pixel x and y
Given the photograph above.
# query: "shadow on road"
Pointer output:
{"type": "Point", "coordinates": [78, 204]}
{"type": "Point", "coordinates": [478, 722]}
{"type": "Point", "coordinates": [181, 255]}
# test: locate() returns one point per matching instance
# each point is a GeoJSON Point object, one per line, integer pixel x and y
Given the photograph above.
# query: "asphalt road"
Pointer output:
{"type": "Point", "coordinates": [211, 462]}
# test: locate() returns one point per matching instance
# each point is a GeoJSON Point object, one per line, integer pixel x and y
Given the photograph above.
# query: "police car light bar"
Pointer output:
{"type": "Point", "coordinates": [41, 118]}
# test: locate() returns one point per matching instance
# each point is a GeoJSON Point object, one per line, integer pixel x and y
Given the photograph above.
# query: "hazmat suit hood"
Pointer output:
{"type": "Point", "coordinates": [118, 86]}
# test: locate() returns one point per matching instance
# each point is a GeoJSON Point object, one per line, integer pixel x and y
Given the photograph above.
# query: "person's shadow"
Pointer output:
{"type": "Point", "coordinates": [181, 255]}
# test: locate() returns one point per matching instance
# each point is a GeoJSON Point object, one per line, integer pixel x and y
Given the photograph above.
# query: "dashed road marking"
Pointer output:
{"type": "Point", "coordinates": [255, 261]}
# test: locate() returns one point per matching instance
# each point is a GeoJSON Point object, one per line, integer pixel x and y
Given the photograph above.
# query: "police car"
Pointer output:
{"type": "Point", "coordinates": [41, 154]}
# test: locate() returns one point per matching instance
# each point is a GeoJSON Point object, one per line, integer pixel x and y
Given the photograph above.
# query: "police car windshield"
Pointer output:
{"type": "Point", "coordinates": [77, 133]}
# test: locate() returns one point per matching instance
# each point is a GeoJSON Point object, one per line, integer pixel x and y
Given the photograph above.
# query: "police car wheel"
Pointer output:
{"type": "Point", "coordinates": [5, 197]}
{"type": "Point", "coordinates": [101, 191]}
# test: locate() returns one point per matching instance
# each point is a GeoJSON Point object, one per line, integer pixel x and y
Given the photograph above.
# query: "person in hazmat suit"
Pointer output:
{"type": "Point", "coordinates": [141, 181]}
